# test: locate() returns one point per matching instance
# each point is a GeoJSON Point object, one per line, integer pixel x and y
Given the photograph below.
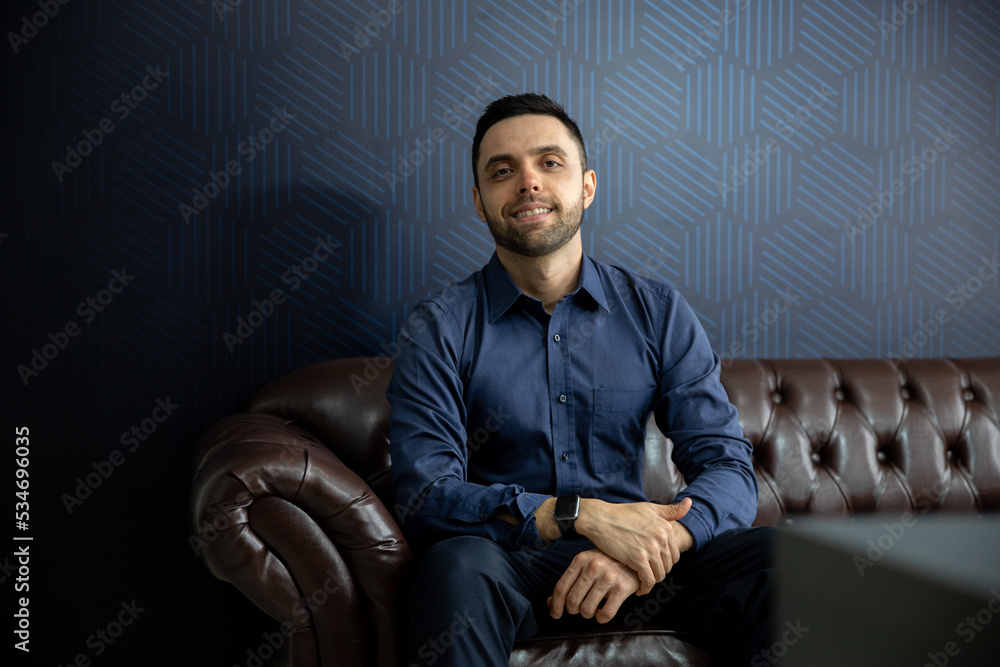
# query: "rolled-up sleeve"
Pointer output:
{"type": "Point", "coordinates": [693, 410]}
{"type": "Point", "coordinates": [427, 439]}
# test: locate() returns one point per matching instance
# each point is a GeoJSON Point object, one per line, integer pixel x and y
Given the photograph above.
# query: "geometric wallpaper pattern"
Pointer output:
{"type": "Point", "coordinates": [201, 196]}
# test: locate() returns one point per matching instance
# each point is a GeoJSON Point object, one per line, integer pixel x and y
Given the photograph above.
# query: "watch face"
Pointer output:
{"type": "Point", "coordinates": [567, 507]}
{"type": "Point", "coordinates": [565, 514]}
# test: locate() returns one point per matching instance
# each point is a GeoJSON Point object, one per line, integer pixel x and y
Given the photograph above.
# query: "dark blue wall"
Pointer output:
{"type": "Point", "coordinates": [736, 151]}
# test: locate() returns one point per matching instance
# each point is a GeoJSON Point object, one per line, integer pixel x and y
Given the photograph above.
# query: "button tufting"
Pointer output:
{"type": "Point", "coordinates": [949, 455]}
{"type": "Point", "coordinates": [815, 457]}
{"type": "Point", "coordinates": [776, 397]}
{"type": "Point", "coordinates": [905, 393]}
{"type": "Point", "coordinates": [967, 395]}
{"type": "Point", "coordinates": [880, 455]}
{"type": "Point", "coordinates": [839, 394]}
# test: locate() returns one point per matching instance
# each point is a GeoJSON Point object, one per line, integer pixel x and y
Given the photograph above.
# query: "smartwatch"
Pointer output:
{"type": "Point", "coordinates": [566, 513]}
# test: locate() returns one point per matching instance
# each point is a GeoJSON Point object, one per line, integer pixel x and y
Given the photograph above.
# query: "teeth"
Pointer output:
{"type": "Point", "coordinates": [534, 211]}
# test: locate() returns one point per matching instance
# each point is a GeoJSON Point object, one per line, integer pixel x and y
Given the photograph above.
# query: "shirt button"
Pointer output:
{"type": "Point", "coordinates": [565, 456]}
{"type": "Point", "coordinates": [556, 338]}
{"type": "Point", "coordinates": [562, 398]}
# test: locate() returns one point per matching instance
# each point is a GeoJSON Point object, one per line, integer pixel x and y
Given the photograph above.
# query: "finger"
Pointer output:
{"type": "Point", "coordinates": [649, 567]}
{"type": "Point", "coordinates": [671, 552]}
{"type": "Point", "coordinates": [558, 599]}
{"type": "Point", "coordinates": [593, 600]}
{"type": "Point", "coordinates": [576, 596]}
{"type": "Point", "coordinates": [615, 598]}
{"type": "Point", "coordinates": [580, 591]}
{"type": "Point", "coordinates": [677, 510]}
{"type": "Point", "coordinates": [660, 563]}
{"type": "Point", "coordinates": [646, 577]}
{"type": "Point", "coordinates": [552, 613]}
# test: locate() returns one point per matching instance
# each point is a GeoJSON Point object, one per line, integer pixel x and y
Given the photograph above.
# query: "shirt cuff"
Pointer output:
{"type": "Point", "coordinates": [700, 531]}
{"type": "Point", "coordinates": [523, 507]}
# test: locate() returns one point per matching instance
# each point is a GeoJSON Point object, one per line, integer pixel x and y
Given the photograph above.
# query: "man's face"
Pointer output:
{"type": "Point", "coordinates": [532, 190]}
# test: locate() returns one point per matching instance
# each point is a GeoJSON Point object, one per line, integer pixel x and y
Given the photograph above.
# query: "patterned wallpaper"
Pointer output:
{"type": "Point", "coordinates": [203, 195]}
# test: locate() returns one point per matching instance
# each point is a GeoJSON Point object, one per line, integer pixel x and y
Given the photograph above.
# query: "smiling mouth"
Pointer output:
{"type": "Point", "coordinates": [533, 211]}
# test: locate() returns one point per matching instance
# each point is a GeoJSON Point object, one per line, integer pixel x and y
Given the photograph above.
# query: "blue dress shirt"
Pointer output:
{"type": "Point", "coordinates": [497, 405]}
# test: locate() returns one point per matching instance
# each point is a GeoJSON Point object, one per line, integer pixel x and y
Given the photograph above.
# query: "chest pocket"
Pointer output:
{"type": "Point", "coordinates": [618, 429]}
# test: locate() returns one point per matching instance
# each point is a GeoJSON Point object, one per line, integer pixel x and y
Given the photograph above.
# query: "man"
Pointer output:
{"type": "Point", "coordinates": [519, 404]}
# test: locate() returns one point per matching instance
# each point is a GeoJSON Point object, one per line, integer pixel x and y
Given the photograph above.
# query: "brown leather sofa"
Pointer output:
{"type": "Point", "coordinates": [291, 500]}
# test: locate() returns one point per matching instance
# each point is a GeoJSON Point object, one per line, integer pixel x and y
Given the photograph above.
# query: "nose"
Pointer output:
{"type": "Point", "coordinates": [530, 181]}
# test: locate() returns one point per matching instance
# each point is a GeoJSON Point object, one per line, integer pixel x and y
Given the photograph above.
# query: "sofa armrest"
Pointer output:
{"type": "Point", "coordinates": [279, 516]}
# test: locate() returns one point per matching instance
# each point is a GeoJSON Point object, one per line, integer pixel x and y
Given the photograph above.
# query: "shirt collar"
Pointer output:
{"type": "Point", "coordinates": [503, 292]}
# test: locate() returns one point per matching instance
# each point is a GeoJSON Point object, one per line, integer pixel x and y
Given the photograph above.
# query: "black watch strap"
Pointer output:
{"type": "Point", "coordinates": [566, 513]}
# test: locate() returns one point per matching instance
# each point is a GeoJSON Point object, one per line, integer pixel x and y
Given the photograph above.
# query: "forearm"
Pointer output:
{"type": "Point", "coordinates": [596, 521]}
{"type": "Point", "coordinates": [545, 522]}
{"type": "Point", "coordinates": [645, 537]}
{"type": "Point", "coordinates": [431, 510]}
{"type": "Point", "coordinates": [600, 520]}
{"type": "Point", "coordinates": [724, 498]}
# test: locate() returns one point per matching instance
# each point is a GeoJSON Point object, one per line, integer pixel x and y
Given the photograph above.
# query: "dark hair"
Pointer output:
{"type": "Point", "coordinates": [520, 105]}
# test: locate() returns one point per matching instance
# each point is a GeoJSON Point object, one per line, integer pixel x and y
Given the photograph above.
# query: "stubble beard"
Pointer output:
{"type": "Point", "coordinates": [537, 243]}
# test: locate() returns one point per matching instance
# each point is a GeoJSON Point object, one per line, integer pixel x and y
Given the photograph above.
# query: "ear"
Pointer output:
{"type": "Point", "coordinates": [589, 187]}
{"type": "Point", "coordinates": [479, 203]}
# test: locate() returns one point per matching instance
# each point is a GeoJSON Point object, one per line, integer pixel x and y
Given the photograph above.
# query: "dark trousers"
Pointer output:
{"type": "Point", "coordinates": [472, 598]}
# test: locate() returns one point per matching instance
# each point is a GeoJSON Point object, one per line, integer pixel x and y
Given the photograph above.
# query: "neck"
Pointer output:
{"type": "Point", "coordinates": [548, 278]}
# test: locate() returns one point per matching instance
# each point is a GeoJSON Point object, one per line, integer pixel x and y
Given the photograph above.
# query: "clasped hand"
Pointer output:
{"type": "Point", "coordinates": [637, 545]}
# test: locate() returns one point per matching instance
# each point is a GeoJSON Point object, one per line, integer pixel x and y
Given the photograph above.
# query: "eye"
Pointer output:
{"type": "Point", "coordinates": [502, 171]}
{"type": "Point", "coordinates": [552, 163]}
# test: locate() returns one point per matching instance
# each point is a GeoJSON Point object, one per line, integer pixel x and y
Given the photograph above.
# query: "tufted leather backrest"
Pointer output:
{"type": "Point", "coordinates": [839, 437]}
{"type": "Point", "coordinates": [830, 437]}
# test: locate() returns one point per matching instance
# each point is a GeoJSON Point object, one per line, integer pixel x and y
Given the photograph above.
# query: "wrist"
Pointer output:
{"type": "Point", "coordinates": [566, 513]}
{"type": "Point", "coordinates": [545, 522]}
{"type": "Point", "coordinates": [685, 540]}
{"type": "Point", "coordinates": [586, 522]}
{"type": "Point", "coordinates": [684, 537]}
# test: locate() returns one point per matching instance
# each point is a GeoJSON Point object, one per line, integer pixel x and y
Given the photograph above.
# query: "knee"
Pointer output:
{"type": "Point", "coordinates": [459, 564]}
{"type": "Point", "coordinates": [758, 551]}
{"type": "Point", "coordinates": [762, 541]}
{"type": "Point", "coordinates": [463, 544]}
{"type": "Point", "coordinates": [454, 578]}
{"type": "Point", "coordinates": [756, 546]}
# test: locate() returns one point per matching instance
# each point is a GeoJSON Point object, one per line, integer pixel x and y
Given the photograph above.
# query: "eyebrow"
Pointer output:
{"type": "Point", "coordinates": [538, 150]}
